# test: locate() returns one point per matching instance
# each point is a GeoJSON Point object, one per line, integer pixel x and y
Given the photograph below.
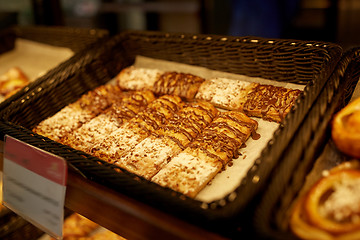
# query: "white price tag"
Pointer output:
{"type": "Point", "coordinates": [34, 185]}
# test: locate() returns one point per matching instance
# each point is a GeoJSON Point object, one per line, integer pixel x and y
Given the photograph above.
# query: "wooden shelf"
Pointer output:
{"type": "Point", "coordinates": [125, 216]}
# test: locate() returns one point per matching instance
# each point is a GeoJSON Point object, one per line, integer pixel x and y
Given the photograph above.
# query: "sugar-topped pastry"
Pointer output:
{"type": "Point", "coordinates": [134, 78]}
{"type": "Point", "coordinates": [225, 93]}
{"type": "Point", "coordinates": [155, 151]}
{"type": "Point", "coordinates": [95, 130]}
{"type": "Point", "coordinates": [138, 128]}
{"type": "Point", "coordinates": [190, 170]}
{"type": "Point", "coordinates": [76, 114]}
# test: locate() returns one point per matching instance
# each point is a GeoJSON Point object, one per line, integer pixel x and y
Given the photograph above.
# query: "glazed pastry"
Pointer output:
{"type": "Point", "coordinates": [76, 114]}
{"type": "Point", "coordinates": [270, 102]}
{"type": "Point", "coordinates": [256, 100]}
{"type": "Point", "coordinates": [155, 151]}
{"type": "Point", "coordinates": [346, 129]}
{"type": "Point", "coordinates": [95, 130]}
{"type": "Point", "coordinates": [124, 139]}
{"type": "Point", "coordinates": [183, 85]}
{"type": "Point", "coordinates": [331, 208]}
{"type": "Point", "coordinates": [193, 168]}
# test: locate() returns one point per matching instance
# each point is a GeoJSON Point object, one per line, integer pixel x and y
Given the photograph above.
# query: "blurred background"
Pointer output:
{"type": "Point", "coordinates": [326, 20]}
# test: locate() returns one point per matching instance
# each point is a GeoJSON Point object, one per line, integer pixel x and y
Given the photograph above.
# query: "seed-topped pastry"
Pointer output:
{"type": "Point", "coordinates": [81, 111]}
{"type": "Point", "coordinates": [95, 130]}
{"type": "Point", "coordinates": [154, 152]}
{"type": "Point", "coordinates": [190, 170]}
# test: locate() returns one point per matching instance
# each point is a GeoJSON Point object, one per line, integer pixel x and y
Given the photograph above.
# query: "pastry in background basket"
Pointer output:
{"type": "Point", "coordinates": [331, 208]}
{"type": "Point", "coordinates": [11, 81]}
{"type": "Point", "coordinates": [78, 227]}
{"type": "Point", "coordinates": [346, 129]}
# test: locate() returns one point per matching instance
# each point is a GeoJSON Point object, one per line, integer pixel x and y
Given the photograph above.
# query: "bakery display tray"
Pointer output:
{"type": "Point", "coordinates": [307, 63]}
{"type": "Point", "coordinates": [75, 39]}
{"type": "Point", "coordinates": [313, 141]}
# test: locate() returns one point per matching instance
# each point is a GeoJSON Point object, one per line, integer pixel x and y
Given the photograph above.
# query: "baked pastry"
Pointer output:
{"type": "Point", "coordinates": [331, 208]}
{"type": "Point", "coordinates": [133, 78]}
{"type": "Point", "coordinates": [256, 100]}
{"type": "Point", "coordinates": [77, 226]}
{"type": "Point", "coordinates": [95, 130]}
{"type": "Point", "coordinates": [184, 85]}
{"type": "Point", "coordinates": [190, 170]}
{"type": "Point", "coordinates": [11, 81]}
{"type": "Point", "coordinates": [76, 114]}
{"type": "Point", "coordinates": [225, 93]}
{"type": "Point", "coordinates": [124, 139]}
{"type": "Point", "coordinates": [155, 151]}
{"type": "Point", "coordinates": [270, 102]}
{"type": "Point", "coordinates": [104, 235]}
{"type": "Point", "coordinates": [345, 130]}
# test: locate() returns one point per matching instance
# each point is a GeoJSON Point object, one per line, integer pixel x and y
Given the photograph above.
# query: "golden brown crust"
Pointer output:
{"type": "Point", "coordinates": [154, 152]}
{"type": "Point", "coordinates": [95, 130]}
{"type": "Point", "coordinates": [193, 168]}
{"type": "Point", "coordinates": [104, 235]}
{"type": "Point", "coordinates": [74, 115]}
{"type": "Point", "coordinates": [330, 209]}
{"type": "Point", "coordinates": [77, 226]}
{"type": "Point", "coordinates": [180, 84]}
{"type": "Point", "coordinates": [11, 81]}
{"type": "Point", "coordinates": [100, 98]}
{"type": "Point", "coordinates": [346, 129]}
{"type": "Point", "coordinates": [225, 135]}
{"type": "Point", "coordinates": [270, 102]}
{"type": "Point", "coordinates": [124, 139]}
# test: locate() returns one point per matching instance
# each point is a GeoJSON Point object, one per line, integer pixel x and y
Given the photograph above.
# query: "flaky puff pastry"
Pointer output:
{"type": "Point", "coordinates": [331, 208]}
{"type": "Point", "coordinates": [346, 129]}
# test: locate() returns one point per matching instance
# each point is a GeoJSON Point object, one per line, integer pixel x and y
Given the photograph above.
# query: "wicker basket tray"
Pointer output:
{"type": "Point", "coordinates": [271, 218]}
{"type": "Point", "coordinates": [307, 63]}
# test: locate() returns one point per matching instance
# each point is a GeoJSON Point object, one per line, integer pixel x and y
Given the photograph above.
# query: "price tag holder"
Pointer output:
{"type": "Point", "coordinates": [34, 185]}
